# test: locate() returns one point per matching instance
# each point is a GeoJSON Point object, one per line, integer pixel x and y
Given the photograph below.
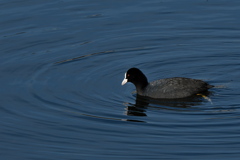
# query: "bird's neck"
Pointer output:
{"type": "Point", "coordinates": [141, 86]}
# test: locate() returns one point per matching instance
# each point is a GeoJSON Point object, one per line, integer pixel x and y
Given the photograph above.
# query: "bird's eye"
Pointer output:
{"type": "Point", "coordinates": [128, 75]}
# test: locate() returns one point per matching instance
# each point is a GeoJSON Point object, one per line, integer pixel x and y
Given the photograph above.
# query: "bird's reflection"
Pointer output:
{"type": "Point", "coordinates": [143, 103]}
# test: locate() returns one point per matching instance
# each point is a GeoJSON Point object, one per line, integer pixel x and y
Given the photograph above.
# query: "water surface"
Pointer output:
{"type": "Point", "coordinates": [62, 63]}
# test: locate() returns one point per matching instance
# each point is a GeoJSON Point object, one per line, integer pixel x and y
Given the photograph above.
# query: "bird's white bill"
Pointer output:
{"type": "Point", "coordinates": [124, 80]}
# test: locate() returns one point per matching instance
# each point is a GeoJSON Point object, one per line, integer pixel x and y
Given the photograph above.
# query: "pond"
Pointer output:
{"type": "Point", "coordinates": [62, 64]}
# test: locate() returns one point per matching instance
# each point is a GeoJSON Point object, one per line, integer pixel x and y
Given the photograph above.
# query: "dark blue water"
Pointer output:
{"type": "Point", "coordinates": [62, 63]}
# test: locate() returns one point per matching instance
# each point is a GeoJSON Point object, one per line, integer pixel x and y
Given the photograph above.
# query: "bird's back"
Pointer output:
{"type": "Point", "coordinates": [176, 87]}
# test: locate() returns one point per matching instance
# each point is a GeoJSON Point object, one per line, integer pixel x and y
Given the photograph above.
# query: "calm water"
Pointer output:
{"type": "Point", "coordinates": [62, 63]}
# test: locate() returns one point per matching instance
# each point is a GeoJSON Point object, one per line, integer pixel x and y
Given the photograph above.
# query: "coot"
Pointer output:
{"type": "Point", "coordinates": [169, 88]}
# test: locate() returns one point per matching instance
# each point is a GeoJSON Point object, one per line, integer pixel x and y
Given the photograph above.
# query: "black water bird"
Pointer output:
{"type": "Point", "coordinates": [169, 88]}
